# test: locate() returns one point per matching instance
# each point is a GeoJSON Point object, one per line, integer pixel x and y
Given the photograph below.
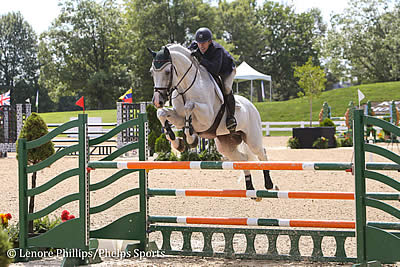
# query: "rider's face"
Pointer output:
{"type": "Point", "coordinates": [204, 46]}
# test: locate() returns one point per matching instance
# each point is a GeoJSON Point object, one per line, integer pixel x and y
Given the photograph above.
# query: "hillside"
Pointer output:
{"type": "Point", "coordinates": [291, 110]}
{"type": "Point", "coordinates": [299, 109]}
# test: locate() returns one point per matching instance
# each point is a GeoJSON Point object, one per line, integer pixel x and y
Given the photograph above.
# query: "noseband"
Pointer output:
{"type": "Point", "coordinates": [169, 89]}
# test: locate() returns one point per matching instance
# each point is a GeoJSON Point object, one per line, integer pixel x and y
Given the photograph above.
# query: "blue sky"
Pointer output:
{"type": "Point", "coordinates": [40, 13]}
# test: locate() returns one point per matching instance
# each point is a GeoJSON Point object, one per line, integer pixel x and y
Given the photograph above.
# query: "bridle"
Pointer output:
{"type": "Point", "coordinates": [169, 89]}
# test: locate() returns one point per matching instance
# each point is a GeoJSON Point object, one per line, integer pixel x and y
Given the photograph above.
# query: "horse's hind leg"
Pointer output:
{"type": "Point", "coordinates": [256, 146]}
{"type": "Point", "coordinates": [229, 150]}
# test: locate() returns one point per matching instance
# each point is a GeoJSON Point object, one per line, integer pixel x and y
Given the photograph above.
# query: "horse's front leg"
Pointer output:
{"type": "Point", "coordinates": [191, 137]}
{"type": "Point", "coordinates": [169, 117]}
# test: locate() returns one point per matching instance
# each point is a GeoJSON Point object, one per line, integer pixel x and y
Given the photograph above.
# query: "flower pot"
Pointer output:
{"type": "Point", "coordinates": [308, 135]}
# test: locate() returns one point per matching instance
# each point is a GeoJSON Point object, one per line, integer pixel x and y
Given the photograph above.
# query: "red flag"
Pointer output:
{"type": "Point", "coordinates": [81, 103]}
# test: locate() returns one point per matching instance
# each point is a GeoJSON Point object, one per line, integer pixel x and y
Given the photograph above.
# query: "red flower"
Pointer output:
{"type": "Point", "coordinates": [8, 216]}
{"type": "Point", "coordinates": [64, 215]}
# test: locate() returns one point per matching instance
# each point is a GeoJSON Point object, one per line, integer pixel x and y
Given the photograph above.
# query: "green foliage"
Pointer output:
{"type": "Point", "coordinates": [13, 233]}
{"type": "Point", "coordinates": [89, 42]}
{"type": "Point", "coordinates": [166, 156]}
{"type": "Point", "coordinates": [364, 42]}
{"type": "Point", "coordinates": [311, 80]}
{"type": "Point", "coordinates": [327, 123]}
{"type": "Point", "coordinates": [34, 128]}
{"type": "Point", "coordinates": [4, 246]}
{"type": "Point", "coordinates": [18, 57]}
{"type": "Point", "coordinates": [44, 224]}
{"type": "Point", "coordinates": [293, 143]}
{"type": "Point", "coordinates": [162, 144]}
{"type": "Point", "coordinates": [154, 123]}
{"type": "Point", "coordinates": [321, 143]}
{"type": "Point", "coordinates": [347, 141]}
{"type": "Point", "coordinates": [207, 155]}
{"type": "Point", "coordinates": [189, 156]}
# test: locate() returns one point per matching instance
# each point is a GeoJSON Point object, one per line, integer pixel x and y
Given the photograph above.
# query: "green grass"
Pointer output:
{"type": "Point", "coordinates": [299, 109]}
{"type": "Point", "coordinates": [108, 115]}
{"type": "Point", "coordinates": [292, 110]}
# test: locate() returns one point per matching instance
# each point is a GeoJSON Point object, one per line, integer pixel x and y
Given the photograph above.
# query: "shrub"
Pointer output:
{"type": "Point", "coordinates": [44, 224]}
{"type": "Point", "coordinates": [327, 123]}
{"type": "Point", "coordinates": [166, 156]}
{"type": "Point", "coordinates": [4, 246]}
{"type": "Point", "coordinates": [346, 142]}
{"type": "Point", "coordinates": [207, 155]}
{"type": "Point", "coordinates": [34, 128]}
{"type": "Point", "coordinates": [162, 144]}
{"type": "Point", "coordinates": [293, 143]}
{"type": "Point", "coordinates": [189, 156]}
{"type": "Point", "coordinates": [321, 143]}
{"type": "Point", "coordinates": [152, 142]}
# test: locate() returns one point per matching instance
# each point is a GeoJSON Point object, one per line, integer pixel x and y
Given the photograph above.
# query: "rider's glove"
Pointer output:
{"type": "Point", "coordinates": [197, 54]}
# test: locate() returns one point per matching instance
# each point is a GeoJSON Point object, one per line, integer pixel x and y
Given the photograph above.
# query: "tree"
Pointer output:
{"type": "Point", "coordinates": [83, 53]}
{"type": "Point", "coordinates": [364, 42]}
{"type": "Point", "coordinates": [34, 128]}
{"type": "Point", "coordinates": [152, 24]}
{"type": "Point", "coordinates": [18, 57]}
{"type": "Point", "coordinates": [289, 39]}
{"type": "Point", "coordinates": [312, 80]}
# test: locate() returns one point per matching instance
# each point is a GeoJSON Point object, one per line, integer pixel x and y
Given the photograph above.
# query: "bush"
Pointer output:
{"type": "Point", "coordinates": [207, 155]}
{"type": "Point", "coordinates": [152, 142]}
{"type": "Point", "coordinates": [166, 156]}
{"type": "Point", "coordinates": [345, 142]}
{"type": "Point", "coordinates": [44, 224]}
{"type": "Point", "coordinates": [321, 143]}
{"type": "Point", "coordinates": [162, 144]}
{"type": "Point", "coordinates": [4, 246]}
{"type": "Point", "coordinates": [327, 123]}
{"type": "Point", "coordinates": [293, 143]}
{"type": "Point", "coordinates": [189, 156]}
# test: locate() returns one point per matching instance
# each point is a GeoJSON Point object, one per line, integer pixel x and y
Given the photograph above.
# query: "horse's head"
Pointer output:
{"type": "Point", "coordinates": [161, 71]}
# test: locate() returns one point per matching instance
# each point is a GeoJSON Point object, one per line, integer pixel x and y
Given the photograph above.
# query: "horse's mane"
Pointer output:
{"type": "Point", "coordinates": [180, 49]}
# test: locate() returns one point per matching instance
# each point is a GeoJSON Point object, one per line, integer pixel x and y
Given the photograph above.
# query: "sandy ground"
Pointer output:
{"type": "Point", "coordinates": [214, 207]}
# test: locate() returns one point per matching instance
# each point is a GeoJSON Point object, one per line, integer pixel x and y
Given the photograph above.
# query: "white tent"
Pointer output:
{"type": "Point", "coordinates": [244, 72]}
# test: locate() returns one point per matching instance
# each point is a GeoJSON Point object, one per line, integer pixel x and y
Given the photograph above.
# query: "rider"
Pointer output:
{"type": "Point", "coordinates": [220, 63]}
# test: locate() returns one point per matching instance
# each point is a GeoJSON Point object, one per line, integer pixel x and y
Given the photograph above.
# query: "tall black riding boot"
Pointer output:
{"type": "Point", "coordinates": [230, 118]}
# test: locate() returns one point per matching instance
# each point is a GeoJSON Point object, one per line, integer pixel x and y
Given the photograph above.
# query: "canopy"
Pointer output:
{"type": "Point", "coordinates": [244, 72]}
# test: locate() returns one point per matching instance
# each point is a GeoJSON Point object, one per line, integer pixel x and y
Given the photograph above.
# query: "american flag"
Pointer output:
{"type": "Point", "coordinates": [5, 99]}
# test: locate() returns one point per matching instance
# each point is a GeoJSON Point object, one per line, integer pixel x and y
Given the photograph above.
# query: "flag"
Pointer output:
{"type": "Point", "coordinates": [81, 103]}
{"type": "Point", "coordinates": [361, 96]}
{"type": "Point", "coordinates": [127, 97]}
{"type": "Point", "coordinates": [37, 100]}
{"type": "Point", "coordinates": [5, 99]}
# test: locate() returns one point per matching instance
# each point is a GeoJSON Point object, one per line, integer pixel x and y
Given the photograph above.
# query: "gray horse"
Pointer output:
{"type": "Point", "coordinates": [198, 108]}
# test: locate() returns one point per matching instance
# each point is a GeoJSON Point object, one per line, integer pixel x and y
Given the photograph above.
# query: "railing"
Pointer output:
{"type": "Point", "coordinates": [269, 126]}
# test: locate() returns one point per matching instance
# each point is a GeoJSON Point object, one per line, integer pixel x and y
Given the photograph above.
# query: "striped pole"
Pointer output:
{"type": "Point", "coordinates": [252, 221]}
{"type": "Point", "coordinates": [241, 165]}
{"type": "Point", "coordinates": [269, 222]}
{"type": "Point", "coordinates": [266, 194]}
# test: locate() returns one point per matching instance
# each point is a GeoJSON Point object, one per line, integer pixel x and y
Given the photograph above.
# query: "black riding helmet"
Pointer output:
{"type": "Point", "coordinates": [203, 35]}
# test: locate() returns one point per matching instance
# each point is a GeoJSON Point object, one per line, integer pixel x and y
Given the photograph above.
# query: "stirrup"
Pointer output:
{"type": "Point", "coordinates": [231, 124]}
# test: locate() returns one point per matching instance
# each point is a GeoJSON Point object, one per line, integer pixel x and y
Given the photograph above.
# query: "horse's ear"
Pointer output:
{"type": "Point", "coordinates": [166, 51]}
{"type": "Point", "coordinates": [152, 52]}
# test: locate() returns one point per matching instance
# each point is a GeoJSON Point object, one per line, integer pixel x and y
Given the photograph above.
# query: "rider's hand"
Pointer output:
{"type": "Point", "coordinates": [197, 54]}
